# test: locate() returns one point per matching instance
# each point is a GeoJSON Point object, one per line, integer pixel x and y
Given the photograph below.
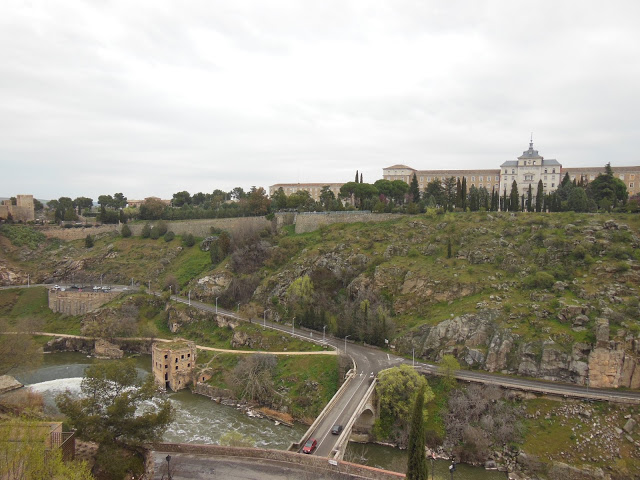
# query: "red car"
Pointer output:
{"type": "Point", "coordinates": [310, 446]}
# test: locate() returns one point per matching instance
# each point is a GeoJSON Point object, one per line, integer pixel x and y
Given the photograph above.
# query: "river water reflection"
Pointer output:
{"type": "Point", "coordinates": [201, 420]}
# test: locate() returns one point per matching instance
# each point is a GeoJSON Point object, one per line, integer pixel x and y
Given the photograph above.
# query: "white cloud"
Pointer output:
{"type": "Point", "coordinates": [154, 97]}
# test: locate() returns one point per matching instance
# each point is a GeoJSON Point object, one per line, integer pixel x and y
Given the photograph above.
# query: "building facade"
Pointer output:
{"type": "Point", "coordinates": [489, 179]}
{"type": "Point", "coordinates": [173, 364]}
{"type": "Point", "coordinates": [314, 189]}
{"type": "Point", "coordinates": [527, 170]}
{"type": "Point", "coordinates": [23, 211]}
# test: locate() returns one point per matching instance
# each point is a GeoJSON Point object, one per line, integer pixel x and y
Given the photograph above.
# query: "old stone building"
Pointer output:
{"type": "Point", "coordinates": [173, 364]}
{"type": "Point", "coordinates": [23, 211]}
{"type": "Point", "coordinates": [528, 170]}
{"type": "Point", "coordinates": [314, 189]}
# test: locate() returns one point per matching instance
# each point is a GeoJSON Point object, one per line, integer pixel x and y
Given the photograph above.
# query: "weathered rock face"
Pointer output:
{"type": "Point", "coordinates": [214, 284]}
{"type": "Point", "coordinates": [105, 349]}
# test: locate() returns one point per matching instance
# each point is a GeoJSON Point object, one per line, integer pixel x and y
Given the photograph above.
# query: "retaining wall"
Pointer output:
{"type": "Point", "coordinates": [73, 302]}
{"type": "Point", "coordinates": [202, 227]}
{"type": "Point", "coordinates": [309, 222]}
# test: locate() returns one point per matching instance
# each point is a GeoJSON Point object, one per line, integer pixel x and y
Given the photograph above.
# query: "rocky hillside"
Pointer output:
{"type": "Point", "coordinates": [552, 296]}
{"type": "Point", "coordinates": [548, 296]}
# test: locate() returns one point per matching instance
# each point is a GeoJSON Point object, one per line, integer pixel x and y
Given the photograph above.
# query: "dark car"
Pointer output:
{"type": "Point", "coordinates": [336, 429]}
{"type": "Point", "coordinates": [310, 446]}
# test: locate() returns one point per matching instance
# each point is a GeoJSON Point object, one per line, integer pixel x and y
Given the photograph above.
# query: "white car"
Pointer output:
{"type": "Point", "coordinates": [96, 288]}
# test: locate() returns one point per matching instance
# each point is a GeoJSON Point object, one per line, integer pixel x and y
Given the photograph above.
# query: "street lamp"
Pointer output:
{"type": "Point", "coordinates": [216, 304]}
{"type": "Point", "coordinates": [323, 329]}
{"type": "Point", "coordinates": [264, 319]}
{"type": "Point", "coordinates": [293, 326]}
{"type": "Point", "coordinates": [238, 308]}
{"type": "Point", "coordinates": [101, 275]}
{"type": "Point", "coordinates": [28, 279]}
{"type": "Point", "coordinates": [345, 344]}
{"type": "Point", "coordinates": [168, 467]}
{"type": "Point", "coordinates": [189, 297]}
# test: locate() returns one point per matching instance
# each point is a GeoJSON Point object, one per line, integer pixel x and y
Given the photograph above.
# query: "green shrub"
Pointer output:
{"type": "Point", "coordinates": [155, 233]}
{"type": "Point", "coordinates": [21, 236]}
{"type": "Point", "coordinates": [88, 241]}
{"type": "Point", "coordinates": [162, 228]}
{"type": "Point", "coordinates": [189, 240]}
{"type": "Point", "coordinates": [539, 280]}
{"type": "Point", "coordinates": [169, 236]}
{"type": "Point", "coordinates": [146, 231]}
{"type": "Point", "coordinates": [125, 231]}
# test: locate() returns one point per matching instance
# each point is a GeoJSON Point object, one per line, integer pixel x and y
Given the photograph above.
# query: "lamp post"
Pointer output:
{"type": "Point", "coordinates": [323, 329]}
{"type": "Point", "coordinates": [216, 304]}
{"type": "Point", "coordinates": [238, 308]}
{"type": "Point", "coordinates": [28, 280]}
{"type": "Point", "coordinates": [345, 344]}
{"type": "Point", "coordinates": [149, 286]}
{"type": "Point", "coordinates": [168, 466]}
{"type": "Point", "coordinates": [293, 326]}
{"type": "Point", "coordinates": [433, 457]}
{"type": "Point", "coordinates": [101, 275]}
{"type": "Point", "coordinates": [452, 467]}
{"type": "Point", "coordinates": [189, 297]}
{"type": "Point", "coordinates": [264, 319]}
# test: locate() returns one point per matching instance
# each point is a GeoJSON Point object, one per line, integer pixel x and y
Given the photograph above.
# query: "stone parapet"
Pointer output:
{"type": "Point", "coordinates": [310, 461]}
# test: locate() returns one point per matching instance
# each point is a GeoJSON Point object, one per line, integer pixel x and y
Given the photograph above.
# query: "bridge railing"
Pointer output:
{"type": "Point", "coordinates": [295, 446]}
{"type": "Point", "coordinates": [338, 451]}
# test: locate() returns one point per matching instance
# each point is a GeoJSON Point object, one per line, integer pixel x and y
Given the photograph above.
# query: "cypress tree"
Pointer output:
{"type": "Point", "coordinates": [361, 177]}
{"type": "Point", "coordinates": [458, 193]}
{"type": "Point", "coordinates": [356, 180]}
{"type": "Point", "coordinates": [539, 196]}
{"type": "Point", "coordinates": [464, 193]}
{"type": "Point", "coordinates": [513, 199]}
{"type": "Point", "coordinates": [414, 189]}
{"type": "Point", "coordinates": [417, 461]}
{"type": "Point", "coordinates": [530, 199]}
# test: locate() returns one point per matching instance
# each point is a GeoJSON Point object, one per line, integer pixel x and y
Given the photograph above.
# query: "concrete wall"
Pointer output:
{"type": "Point", "coordinates": [72, 302]}
{"type": "Point", "coordinates": [309, 222]}
{"type": "Point", "coordinates": [310, 461]}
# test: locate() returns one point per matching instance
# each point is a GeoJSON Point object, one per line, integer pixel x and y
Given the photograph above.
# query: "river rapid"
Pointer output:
{"type": "Point", "coordinates": [201, 420]}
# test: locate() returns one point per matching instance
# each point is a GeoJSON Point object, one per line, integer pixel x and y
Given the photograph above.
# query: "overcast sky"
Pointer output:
{"type": "Point", "coordinates": [154, 97]}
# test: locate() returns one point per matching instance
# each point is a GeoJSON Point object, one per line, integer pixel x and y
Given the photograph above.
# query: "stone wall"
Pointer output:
{"type": "Point", "coordinates": [313, 462]}
{"type": "Point", "coordinates": [309, 222]}
{"type": "Point", "coordinates": [69, 234]}
{"type": "Point", "coordinates": [73, 302]}
{"type": "Point", "coordinates": [201, 228]}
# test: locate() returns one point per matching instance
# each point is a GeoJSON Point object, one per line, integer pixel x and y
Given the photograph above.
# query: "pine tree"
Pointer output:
{"type": "Point", "coordinates": [417, 461]}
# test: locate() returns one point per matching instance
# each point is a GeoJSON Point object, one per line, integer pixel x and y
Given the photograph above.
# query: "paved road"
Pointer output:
{"type": "Point", "coordinates": [200, 467]}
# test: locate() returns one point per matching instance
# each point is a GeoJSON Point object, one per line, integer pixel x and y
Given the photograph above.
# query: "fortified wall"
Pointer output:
{"type": "Point", "coordinates": [309, 222]}
{"type": "Point", "coordinates": [202, 227]}
{"type": "Point", "coordinates": [23, 211]}
{"type": "Point", "coordinates": [304, 222]}
{"type": "Point", "coordinates": [72, 302]}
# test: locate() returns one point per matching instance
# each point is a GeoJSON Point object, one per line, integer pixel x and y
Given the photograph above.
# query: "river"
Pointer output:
{"type": "Point", "coordinates": [201, 420]}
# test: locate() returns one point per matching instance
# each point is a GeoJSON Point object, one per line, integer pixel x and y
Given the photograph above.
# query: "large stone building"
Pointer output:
{"type": "Point", "coordinates": [528, 169]}
{"type": "Point", "coordinates": [23, 211]}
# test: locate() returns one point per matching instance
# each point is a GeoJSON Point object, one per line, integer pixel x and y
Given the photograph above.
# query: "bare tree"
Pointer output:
{"type": "Point", "coordinates": [252, 378]}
